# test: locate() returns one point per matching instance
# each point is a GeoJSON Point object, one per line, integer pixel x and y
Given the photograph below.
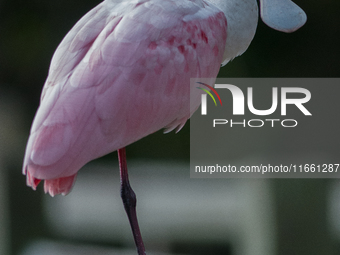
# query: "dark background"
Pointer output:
{"type": "Point", "coordinates": [30, 31]}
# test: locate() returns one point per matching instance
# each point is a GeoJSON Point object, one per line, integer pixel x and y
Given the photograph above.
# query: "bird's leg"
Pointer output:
{"type": "Point", "coordinates": [129, 201]}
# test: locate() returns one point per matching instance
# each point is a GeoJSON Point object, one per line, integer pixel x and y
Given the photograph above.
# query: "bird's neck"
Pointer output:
{"type": "Point", "coordinates": [242, 17]}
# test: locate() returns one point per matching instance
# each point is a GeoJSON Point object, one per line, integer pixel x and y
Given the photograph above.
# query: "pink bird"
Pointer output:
{"type": "Point", "coordinates": [123, 72]}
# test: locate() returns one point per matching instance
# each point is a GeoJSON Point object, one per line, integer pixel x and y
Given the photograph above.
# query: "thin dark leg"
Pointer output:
{"type": "Point", "coordinates": [129, 201]}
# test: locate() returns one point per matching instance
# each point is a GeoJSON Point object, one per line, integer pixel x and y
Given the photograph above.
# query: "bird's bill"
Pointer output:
{"type": "Point", "coordinates": [282, 15]}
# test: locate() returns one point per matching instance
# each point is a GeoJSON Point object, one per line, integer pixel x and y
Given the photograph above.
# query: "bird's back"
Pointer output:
{"type": "Point", "coordinates": [121, 73]}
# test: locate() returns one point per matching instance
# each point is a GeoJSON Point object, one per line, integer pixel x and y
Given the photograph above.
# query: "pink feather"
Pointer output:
{"type": "Point", "coordinates": [122, 73]}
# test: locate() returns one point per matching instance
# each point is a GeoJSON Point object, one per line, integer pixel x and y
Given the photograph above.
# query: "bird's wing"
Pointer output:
{"type": "Point", "coordinates": [125, 78]}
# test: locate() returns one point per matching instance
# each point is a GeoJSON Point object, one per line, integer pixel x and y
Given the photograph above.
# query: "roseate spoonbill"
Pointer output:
{"type": "Point", "coordinates": [123, 72]}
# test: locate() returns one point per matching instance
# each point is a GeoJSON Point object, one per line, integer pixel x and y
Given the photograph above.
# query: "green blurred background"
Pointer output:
{"type": "Point", "coordinates": [30, 31]}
